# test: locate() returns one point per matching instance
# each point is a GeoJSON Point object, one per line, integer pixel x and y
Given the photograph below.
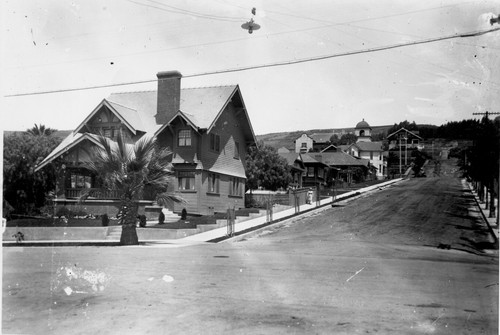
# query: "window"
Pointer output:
{"type": "Point", "coordinates": [235, 187]}
{"type": "Point", "coordinates": [80, 181]}
{"type": "Point", "coordinates": [215, 142]}
{"type": "Point", "coordinates": [236, 150]}
{"type": "Point", "coordinates": [303, 145]}
{"type": "Point", "coordinates": [186, 180]}
{"type": "Point", "coordinates": [320, 172]}
{"type": "Point", "coordinates": [371, 154]}
{"type": "Point", "coordinates": [310, 171]}
{"type": "Point", "coordinates": [184, 139]}
{"type": "Point", "coordinates": [213, 183]}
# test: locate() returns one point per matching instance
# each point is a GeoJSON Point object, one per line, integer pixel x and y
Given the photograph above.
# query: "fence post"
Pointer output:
{"type": "Point", "coordinates": [230, 221]}
{"type": "Point", "coordinates": [269, 211]}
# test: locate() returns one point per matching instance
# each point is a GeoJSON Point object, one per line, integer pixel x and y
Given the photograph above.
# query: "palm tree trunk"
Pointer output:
{"type": "Point", "coordinates": [128, 221]}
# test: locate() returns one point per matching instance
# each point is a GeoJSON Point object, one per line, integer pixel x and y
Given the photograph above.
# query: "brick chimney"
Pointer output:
{"type": "Point", "coordinates": [169, 95]}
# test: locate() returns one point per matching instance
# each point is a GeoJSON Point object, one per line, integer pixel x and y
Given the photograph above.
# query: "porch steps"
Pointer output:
{"type": "Point", "coordinates": [114, 233]}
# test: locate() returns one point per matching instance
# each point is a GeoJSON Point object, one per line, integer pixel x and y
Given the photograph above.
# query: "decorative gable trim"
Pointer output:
{"type": "Point", "coordinates": [183, 117]}
{"type": "Point", "coordinates": [106, 103]}
{"type": "Point", "coordinates": [59, 151]}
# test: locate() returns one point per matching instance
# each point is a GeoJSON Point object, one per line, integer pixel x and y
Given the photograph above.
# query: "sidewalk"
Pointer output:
{"type": "Point", "coordinates": [218, 234]}
{"type": "Point", "coordinates": [485, 213]}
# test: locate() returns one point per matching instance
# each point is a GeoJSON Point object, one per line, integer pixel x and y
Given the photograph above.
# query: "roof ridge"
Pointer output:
{"type": "Point", "coordinates": [119, 104]}
{"type": "Point", "coordinates": [213, 86]}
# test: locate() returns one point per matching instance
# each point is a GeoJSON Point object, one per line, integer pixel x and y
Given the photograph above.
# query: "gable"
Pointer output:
{"type": "Point", "coordinates": [108, 114]}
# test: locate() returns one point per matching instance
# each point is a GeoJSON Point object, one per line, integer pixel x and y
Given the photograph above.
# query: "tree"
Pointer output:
{"type": "Point", "coordinates": [131, 171]}
{"type": "Point", "coordinates": [347, 139]}
{"type": "Point", "coordinates": [334, 139]}
{"type": "Point", "coordinates": [41, 130]}
{"type": "Point", "coordinates": [24, 189]}
{"type": "Point", "coordinates": [266, 168]}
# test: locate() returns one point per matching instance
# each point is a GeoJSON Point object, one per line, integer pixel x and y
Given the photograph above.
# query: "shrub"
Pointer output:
{"type": "Point", "coordinates": [183, 214]}
{"type": "Point", "coordinates": [142, 220]}
{"type": "Point", "coordinates": [105, 220]}
{"type": "Point", "coordinates": [161, 218]}
{"type": "Point", "coordinates": [63, 211]}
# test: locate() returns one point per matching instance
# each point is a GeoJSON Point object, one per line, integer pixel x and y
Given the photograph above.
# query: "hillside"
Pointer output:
{"type": "Point", "coordinates": [286, 139]}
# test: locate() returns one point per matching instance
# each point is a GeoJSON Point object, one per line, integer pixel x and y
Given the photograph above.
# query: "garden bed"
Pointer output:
{"type": "Point", "coordinates": [190, 222]}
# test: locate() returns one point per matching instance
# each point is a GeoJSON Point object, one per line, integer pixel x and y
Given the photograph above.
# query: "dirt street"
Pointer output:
{"type": "Point", "coordinates": [366, 266]}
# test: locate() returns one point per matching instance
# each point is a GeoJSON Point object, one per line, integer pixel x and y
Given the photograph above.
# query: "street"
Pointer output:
{"type": "Point", "coordinates": [413, 258]}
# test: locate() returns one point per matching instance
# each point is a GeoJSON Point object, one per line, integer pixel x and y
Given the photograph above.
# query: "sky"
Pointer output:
{"type": "Point", "coordinates": [55, 45]}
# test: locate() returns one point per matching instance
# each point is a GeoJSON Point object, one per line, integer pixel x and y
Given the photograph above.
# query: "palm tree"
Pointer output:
{"type": "Point", "coordinates": [41, 130]}
{"type": "Point", "coordinates": [130, 169]}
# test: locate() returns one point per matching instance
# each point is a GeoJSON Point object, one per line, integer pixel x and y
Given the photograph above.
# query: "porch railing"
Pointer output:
{"type": "Point", "coordinates": [94, 193]}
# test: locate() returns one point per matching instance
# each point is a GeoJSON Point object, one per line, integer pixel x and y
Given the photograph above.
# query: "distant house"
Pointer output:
{"type": "Point", "coordinates": [207, 129]}
{"type": "Point", "coordinates": [316, 174]}
{"type": "Point", "coordinates": [343, 166]}
{"type": "Point", "coordinates": [304, 143]}
{"type": "Point", "coordinates": [314, 142]}
{"type": "Point", "coordinates": [297, 167]}
{"type": "Point", "coordinates": [374, 153]}
{"type": "Point", "coordinates": [366, 149]}
{"type": "Point", "coordinates": [406, 139]}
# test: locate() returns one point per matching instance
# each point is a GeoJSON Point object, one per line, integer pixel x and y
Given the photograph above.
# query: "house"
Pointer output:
{"type": "Point", "coordinates": [297, 167]}
{"type": "Point", "coordinates": [344, 167]}
{"type": "Point", "coordinates": [366, 149]}
{"type": "Point", "coordinates": [207, 129]}
{"type": "Point", "coordinates": [374, 153]}
{"type": "Point", "coordinates": [321, 140]}
{"type": "Point", "coordinates": [304, 143]}
{"type": "Point", "coordinates": [316, 174]}
{"type": "Point", "coordinates": [314, 142]}
{"type": "Point", "coordinates": [406, 139]}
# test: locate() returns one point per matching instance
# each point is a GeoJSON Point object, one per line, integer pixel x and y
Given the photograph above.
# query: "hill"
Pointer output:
{"type": "Point", "coordinates": [286, 139]}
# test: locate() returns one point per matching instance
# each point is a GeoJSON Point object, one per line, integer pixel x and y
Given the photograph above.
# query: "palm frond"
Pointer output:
{"type": "Point", "coordinates": [166, 198]}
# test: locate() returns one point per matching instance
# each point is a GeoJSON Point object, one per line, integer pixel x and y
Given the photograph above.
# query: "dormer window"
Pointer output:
{"type": "Point", "coordinates": [184, 138]}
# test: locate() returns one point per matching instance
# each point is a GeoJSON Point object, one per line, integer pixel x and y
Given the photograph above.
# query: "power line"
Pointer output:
{"type": "Point", "coordinates": [187, 12]}
{"type": "Point", "coordinates": [297, 61]}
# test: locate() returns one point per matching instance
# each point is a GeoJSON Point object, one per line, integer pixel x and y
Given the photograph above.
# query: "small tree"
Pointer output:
{"type": "Point", "coordinates": [129, 170]}
{"type": "Point", "coordinates": [348, 139]}
{"type": "Point", "coordinates": [266, 168]}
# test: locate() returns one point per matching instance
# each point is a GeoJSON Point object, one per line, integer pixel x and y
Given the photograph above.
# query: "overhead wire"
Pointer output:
{"type": "Point", "coordinates": [269, 65]}
{"type": "Point", "coordinates": [186, 12]}
{"type": "Point", "coordinates": [330, 25]}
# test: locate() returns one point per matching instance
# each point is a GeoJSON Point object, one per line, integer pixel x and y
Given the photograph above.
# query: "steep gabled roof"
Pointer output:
{"type": "Point", "coordinates": [202, 107]}
{"type": "Point", "coordinates": [69, 142]}
{"type": "Point", "coordinates": [407, 132]}
{"type": "Point", "coordinates": [313, 158]}
{"type": "Point", "coordinates": [340, 158]}
{"type": "Point", "coordinates": [330, 148]}
{"type": "Point", "coordinates": [292, 157]}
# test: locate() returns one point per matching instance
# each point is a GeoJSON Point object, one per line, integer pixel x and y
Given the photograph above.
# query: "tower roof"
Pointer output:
{"type": "Point", "coordinates": [362, 124]}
